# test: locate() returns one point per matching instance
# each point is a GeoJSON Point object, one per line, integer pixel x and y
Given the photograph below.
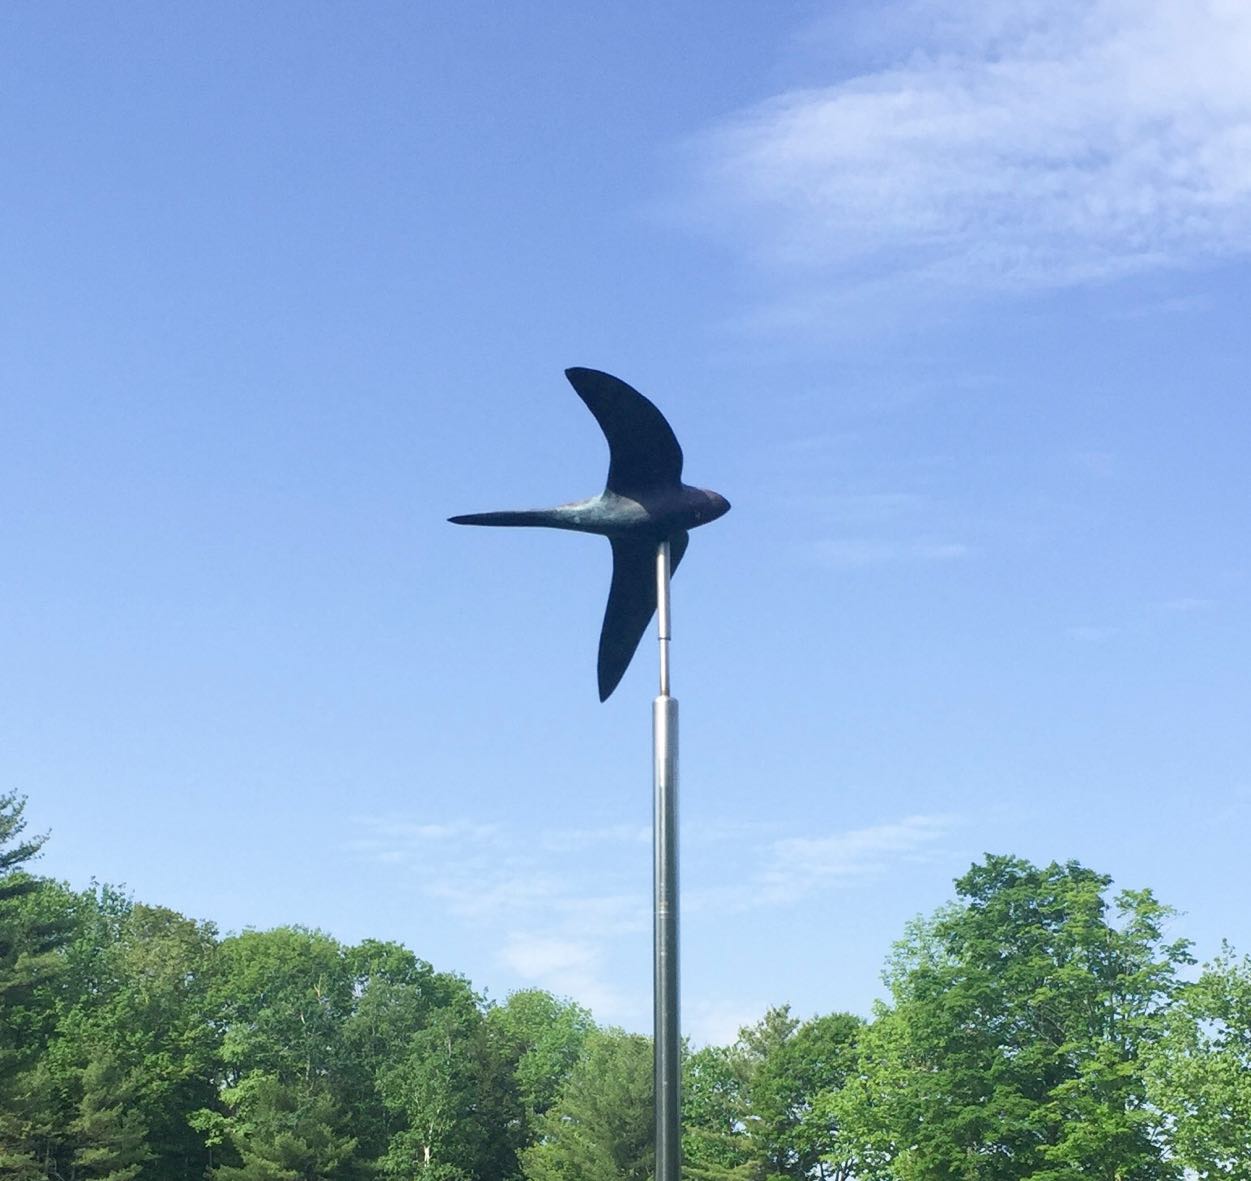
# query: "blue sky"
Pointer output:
{"type": "Point", "coordinates": [950, 302]}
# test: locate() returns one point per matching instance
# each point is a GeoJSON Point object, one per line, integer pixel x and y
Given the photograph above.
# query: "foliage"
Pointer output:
{"type": "Point", "coordinates": [793, 1099]}
{"type": "Point", "coordinates": [601, 1127]}
{"type": "Point", "coordinates": [1200, 1070]}
{"type": "Point", "coordinates": [715, 1113]}
{"type": "Point", "coordinates": [109, 1131]}
{"type": "Point", "coordinates": [547, 1036]}
{"type": "Point", "coordinates": [286, 1132]}
{"type": "Point", "coordinates": [458, 1099]}
{"type": "Point", "coordinates": [1014, 1046]}
{"type": "Point", "coordinates": [1036, 1030]}
{"type": "Point", "coordinates": [395, 997]}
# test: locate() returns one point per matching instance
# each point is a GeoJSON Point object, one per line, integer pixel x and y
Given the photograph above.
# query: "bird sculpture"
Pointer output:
{"type": "Point", "coordinates": [643, 504]}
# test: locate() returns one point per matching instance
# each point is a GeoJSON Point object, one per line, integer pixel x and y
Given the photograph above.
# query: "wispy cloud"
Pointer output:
{"type": "Point", "coordinates": [566, 839]}
{"type": "Point", "coordinates": [561, 918]}
{"type": "Point", "coordinates": [1004, 145]}
{"type": "Point", "coordinates": [567, 967]}
{"type": "Point", "coordinates": [799, 865]}
{"type": "Point", "coordinates": [392, 838]}
{"type": "Point", "coordinates": [848, 553]}
{"type": "Point", "coordinates": [717, 1022]}
{"type": "Point", "coordinates": [530, 891]}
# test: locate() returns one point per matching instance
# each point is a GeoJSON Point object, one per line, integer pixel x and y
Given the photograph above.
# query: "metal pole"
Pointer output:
{"type": "Point", "coordinates": [665, 893]}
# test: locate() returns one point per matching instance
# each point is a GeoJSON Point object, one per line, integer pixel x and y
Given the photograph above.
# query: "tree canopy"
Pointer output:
{"type": "Point", "coordinates": [1038, 1026]}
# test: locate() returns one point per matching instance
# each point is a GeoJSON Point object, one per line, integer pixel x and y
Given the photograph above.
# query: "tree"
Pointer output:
{"type": "Point", "coordinates": [36, 919]}
{"type": "Point", "coordinates": [792, 1098]}
{"type": "Point", "coordinates": [396, 995]}
{"type": "Point", "coordinates": [284, 996]}
{"type": "Point", "coordinates": [286, 1132]}
{"type": "Point", "coordinates": [762, 1108]}
{"type": "Point", "coordinates": [461, 1117]}
{"type": "Point", "coordinates": [30, 935]}
{"type": "Point", "coordinates": [544, 1036]}
{"type": "Point", "coordinates": [717, 1145]}
{"type": "Point", "coordinates": [109, 1132]}
{"type": "Point", "coordinates": [32, 1126]}
{"type": "Point", "coordinates": [140, 1012]}
{"type": "Point", "coordinates": [1014, 1045]}
{"type": "Point", "coordinates": [601, 1127]}
{"type": "Point", "coordinates": [1200, 1070]}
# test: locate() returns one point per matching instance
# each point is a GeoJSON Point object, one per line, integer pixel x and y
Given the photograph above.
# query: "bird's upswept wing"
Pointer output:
{"type": "Point", "coordinates": [642, 449]}
{"type": "Point", "coordinates": [631, 603]}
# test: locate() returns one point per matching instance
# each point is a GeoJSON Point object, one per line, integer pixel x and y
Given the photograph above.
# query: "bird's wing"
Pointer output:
{"type": "Point", "coordinates": [643, 452]}
{"type": "Point", "coordinates": [631, 603]}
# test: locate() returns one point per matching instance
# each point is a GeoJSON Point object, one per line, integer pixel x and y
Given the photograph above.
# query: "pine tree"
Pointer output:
{"type": "Point", "coordinates": [287, 1132]}
{"type": "Point", "coordinates": [109, 1134]}
{"type": "Point", "coordinates": [34, 924]}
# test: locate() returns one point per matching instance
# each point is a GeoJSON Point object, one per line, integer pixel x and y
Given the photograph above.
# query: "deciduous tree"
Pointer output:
{"type": "Point", "coordinates": [1013, 1048]}
{"type": "Point", "coordinates": [1200, 1070]}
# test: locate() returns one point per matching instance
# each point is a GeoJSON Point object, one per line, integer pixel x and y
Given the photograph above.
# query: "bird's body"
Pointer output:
{"type": "Point", "coordinates": [644, 504]}
{"type": "Point", "coordinates": [610, 514]}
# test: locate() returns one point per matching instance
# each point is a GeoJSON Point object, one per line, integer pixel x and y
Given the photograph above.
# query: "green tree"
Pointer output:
{"type": "Point", "coordinates": [32, 1126]}
{"type": "Point", "coordinates": [396, 995]}
{"type": "Point", "coordinates": [793, 1095]}
{"type": "Point", "coordinates": [601, 1126]}
{"type": "Point", "coordinates": [286, 1132]}
{"type": "Point", "coordinates": [284, 997]}
{"type": "Point", "coordinates": [1200, 1070]}
{"type": "Point", "coordinates": [758, 1043]}
{"type": "Point", "coordinates": [109, 1131]}
{"type": "Point", "coordinates": [36, 920]}
{"type": "Point", "coordinates": [762, 1108]}
{"type": "Point", "coordinates": [1013, 1048]}
{"type": "Point", "coordinates": [457, 1099]}
{"type": "Point", "coordinates": [723, 1130]}
{"type": "Point", "coordinates": [717, 1145]}
{"type": "Point", "coordinates": [545, 1036]}
{"type": "Point", "coordinates": [30, 936]}
{"type": "Point", "coordinates": [141, 1005]}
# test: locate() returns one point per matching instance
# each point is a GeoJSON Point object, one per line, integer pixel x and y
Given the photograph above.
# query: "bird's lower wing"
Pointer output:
{"type": "Point", "coordinates": [631, 604]}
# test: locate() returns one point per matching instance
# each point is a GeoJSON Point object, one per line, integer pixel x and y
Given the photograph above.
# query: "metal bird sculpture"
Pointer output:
{"type": "Point", "coordinates": [643, 504]}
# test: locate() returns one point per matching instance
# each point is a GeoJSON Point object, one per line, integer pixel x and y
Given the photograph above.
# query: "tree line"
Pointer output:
{"type": "Point", "coordinates": [1036, 1028]}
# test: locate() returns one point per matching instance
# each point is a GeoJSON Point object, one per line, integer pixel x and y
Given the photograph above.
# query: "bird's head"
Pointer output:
{"type": "Point", "coordinates": [712, 506]}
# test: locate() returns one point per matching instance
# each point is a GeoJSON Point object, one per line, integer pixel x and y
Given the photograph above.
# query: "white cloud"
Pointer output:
{"type": "Point", "coordinates": [395, 840]}
{"type": "Point", "coordinates": [538, 957]}
{"type": "Point", "coordinates": [493, 896]}
{"type": "Point", "coordinates": [566, 922]}
{"type": "Point", "coordinates": [555, 916]}
{"type": "Point", "coordinates": [571, 968]}
{"type": "Point", "coordinates": [799, 865]}
{"type": "Point", "coordinates": [1005, 144]}
{"type": "Point", "coordinates": [716, 1023]}
{"type": "Point", "coordinates": [570, 839]}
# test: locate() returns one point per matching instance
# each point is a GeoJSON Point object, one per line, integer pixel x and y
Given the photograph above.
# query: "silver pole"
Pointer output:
{"type": "Point", "coordinates": [665, 893]}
